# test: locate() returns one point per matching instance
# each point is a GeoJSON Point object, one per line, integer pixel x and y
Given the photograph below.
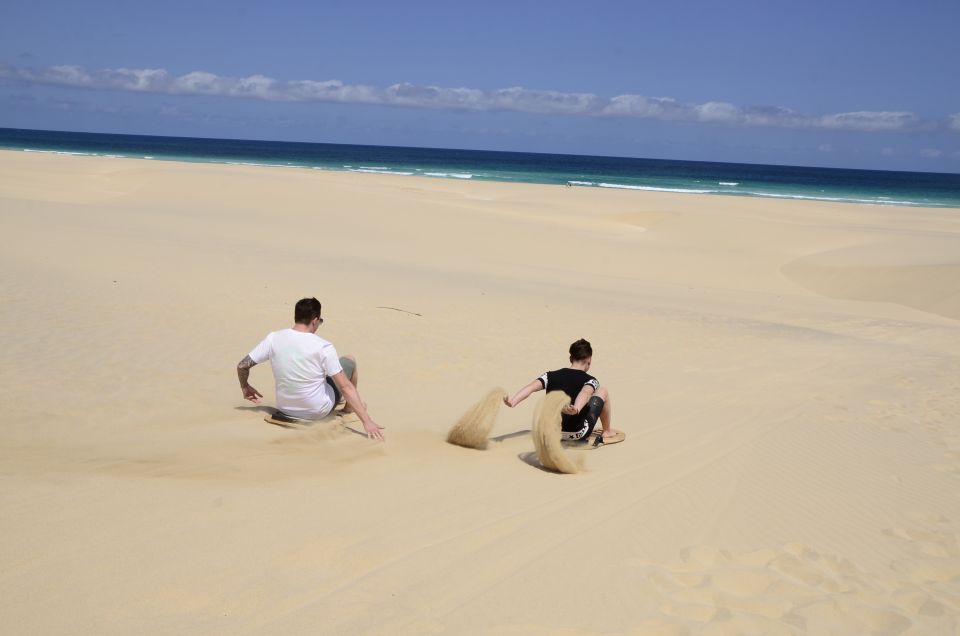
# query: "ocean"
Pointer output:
{"type": "Point", "coordinates": [721, 179]}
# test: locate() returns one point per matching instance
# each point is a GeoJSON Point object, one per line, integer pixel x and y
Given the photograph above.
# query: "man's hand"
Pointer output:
{"type": "Point", "coordinates": [356, 405]}
{"type": "Point", "coordinates": [243, 372]}
{"type": "Point", "coordinates": [570, 409]}
{"type": "Point", "coordinates": [506, 400]}
{"type": "Point", "coordinates": [373, 430]}
{"type": "Point", "coordinates": [251, 394]}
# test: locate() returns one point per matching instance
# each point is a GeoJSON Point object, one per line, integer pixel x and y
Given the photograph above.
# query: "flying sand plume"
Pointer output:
{"type": "Point", "coordinates": [473, 429]}
{"type": "Point", "coordinates": [546, 435]}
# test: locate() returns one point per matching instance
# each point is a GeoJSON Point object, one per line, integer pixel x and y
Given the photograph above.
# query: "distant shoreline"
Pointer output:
{"type": "Point", "coordinates": [688, 177]}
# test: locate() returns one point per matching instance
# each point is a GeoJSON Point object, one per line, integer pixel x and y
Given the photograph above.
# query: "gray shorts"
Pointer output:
{"type": "Point", "coordinates": [349, 366]}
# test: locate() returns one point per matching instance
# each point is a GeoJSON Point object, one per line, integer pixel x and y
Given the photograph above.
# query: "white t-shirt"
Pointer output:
{"type": "Point", "coordinates": [301, 362]}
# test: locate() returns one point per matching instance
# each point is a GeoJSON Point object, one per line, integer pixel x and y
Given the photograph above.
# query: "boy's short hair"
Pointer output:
{"type": "Point", "coordinates": [580, 350]}
{"type": "Point", "coordinates": [306, 310]}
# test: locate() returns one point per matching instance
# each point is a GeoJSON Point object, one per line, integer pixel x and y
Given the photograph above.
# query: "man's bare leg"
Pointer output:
{"type": "Point", "coordinates": [355, 377]}
{"type": "Point", "coordinates": [354, 380]}
{"type": "Point", "coordinates": [606, 414]}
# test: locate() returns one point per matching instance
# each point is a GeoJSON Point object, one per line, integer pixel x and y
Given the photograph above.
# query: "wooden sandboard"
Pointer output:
{"type": "Point", "coordinates": [596, 441]}
{"type": "Point", "coordinates": [616, 439]}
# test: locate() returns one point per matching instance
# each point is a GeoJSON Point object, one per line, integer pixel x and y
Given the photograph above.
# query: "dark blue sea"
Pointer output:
{"type": "Point", "coordinates": [721, 179]}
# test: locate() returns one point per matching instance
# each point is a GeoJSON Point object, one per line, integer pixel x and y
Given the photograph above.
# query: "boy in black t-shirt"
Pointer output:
{"type": "Point", "coordinates": [588, 400]}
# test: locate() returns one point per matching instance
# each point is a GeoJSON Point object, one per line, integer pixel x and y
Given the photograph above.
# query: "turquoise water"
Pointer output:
{"type": "Point", "coordinates": [722, 179]}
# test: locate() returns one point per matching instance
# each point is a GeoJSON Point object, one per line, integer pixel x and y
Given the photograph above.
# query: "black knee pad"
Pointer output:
{"type": "Point", "coordinates": [591, 413]}
{"type": "Point", "coordinates": [583, 423]}
{"type": "Point", "coordinates": [594, 408]}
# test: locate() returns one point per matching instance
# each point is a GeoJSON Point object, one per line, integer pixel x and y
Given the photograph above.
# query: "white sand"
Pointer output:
{"type": "Point", "coordinates": [787, 374]}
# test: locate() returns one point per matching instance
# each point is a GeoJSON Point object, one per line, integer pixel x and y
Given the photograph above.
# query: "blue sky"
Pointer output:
{"type": "Point", "coordinates": [842, 83]}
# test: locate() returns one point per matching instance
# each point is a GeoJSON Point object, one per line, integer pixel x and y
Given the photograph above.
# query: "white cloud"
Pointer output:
{"type": "Point", "coordinates": [517, 99]}
{"type": "Point", "coordinates": [954, 122]}
{"type": "Point", "coordinates": [643, 107]}
{"type": "Point", "coordinates": [931, 153]}
{"type": "Point", "coordinates": [776, 116]}
{"type": "Point", "coordinates": [719, 112]}
{"type": "Point", "coordinates": [328, 91]}
{"type": "Point", "coordinates": [254, 86]}
{"type": "Point", "coordinates": [888, 152]}
{"type": "Point", "coordinates": [825, 148]}
{"type": "Point", "coordinates": [869, 121]}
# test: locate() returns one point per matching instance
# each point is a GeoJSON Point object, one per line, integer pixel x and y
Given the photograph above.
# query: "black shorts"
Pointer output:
{"type": "Point", "coordinates": [579, 426]}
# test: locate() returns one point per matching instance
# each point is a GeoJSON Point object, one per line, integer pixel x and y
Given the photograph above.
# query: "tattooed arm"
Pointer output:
{"type": "Point", "coordinates": [243, 372]}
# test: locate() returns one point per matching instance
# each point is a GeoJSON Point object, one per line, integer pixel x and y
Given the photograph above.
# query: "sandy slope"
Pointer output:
{"type": "Point", "coordinates": [788, 375]}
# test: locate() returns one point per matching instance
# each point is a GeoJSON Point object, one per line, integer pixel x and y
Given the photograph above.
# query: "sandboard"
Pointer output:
{"type": "Point", "coordinates": [596, 440]}
{"type": "Point", "coordinates": [279, 419]}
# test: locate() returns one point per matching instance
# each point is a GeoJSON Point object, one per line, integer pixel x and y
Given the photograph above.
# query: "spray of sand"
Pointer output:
{"type": "Point", "coordinates": [473, 429]}
{"type": "Point", "coordinates": [546, 436]}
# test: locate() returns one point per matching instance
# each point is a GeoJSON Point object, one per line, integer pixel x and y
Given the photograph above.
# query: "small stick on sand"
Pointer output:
{"type": "Point", "coordinates": [413, 313]}
{"type": "Point", "coordinates": [473, 429]}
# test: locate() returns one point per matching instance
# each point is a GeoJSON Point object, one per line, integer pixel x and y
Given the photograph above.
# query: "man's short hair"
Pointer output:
{"type": "Point", "coordinates": [580, 350]}
{"type": "Point", "coordinates": [306, 310]}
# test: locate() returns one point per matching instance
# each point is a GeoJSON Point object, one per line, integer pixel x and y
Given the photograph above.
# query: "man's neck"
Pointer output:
{"type": "Point", "coordinates": [303, 328]}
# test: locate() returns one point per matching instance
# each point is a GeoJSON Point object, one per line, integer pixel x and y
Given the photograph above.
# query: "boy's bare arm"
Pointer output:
{"type": "Point", "coordinates": [523, 393]}
{"type": "Point", "coordinates": [582, 398]}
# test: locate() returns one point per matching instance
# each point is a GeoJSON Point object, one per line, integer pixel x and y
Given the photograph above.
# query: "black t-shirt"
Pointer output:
{"type": "Point", "coordinates": [570, 381]}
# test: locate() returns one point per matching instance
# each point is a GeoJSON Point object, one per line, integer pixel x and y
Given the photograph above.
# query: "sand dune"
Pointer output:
{"type": "Point", "coordinates": [917, 273]}
{"type": "Point", "coordinates": [787, 374]}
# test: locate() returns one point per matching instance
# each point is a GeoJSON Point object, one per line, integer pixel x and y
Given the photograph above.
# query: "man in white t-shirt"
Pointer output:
{"type": "Point", "coordinates": [310, 377]}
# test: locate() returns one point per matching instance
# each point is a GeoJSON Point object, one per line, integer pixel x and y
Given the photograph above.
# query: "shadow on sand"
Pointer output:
{"type": "Point", "coordinates": [530, 459]}
{"type": "Point", "coordinates": [505, 437]}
